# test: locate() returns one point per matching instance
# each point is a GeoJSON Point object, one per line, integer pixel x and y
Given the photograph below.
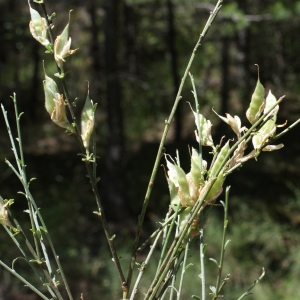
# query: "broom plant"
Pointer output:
{"type": "Point", "coordinates": [192, 194]}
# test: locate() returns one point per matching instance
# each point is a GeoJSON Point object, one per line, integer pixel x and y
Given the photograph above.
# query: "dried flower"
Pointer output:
{"type": "Point", "coordinates": [62, 45]}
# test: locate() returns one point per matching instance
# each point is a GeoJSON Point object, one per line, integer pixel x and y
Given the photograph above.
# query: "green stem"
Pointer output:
{"type": "Point", "coordinates": [253, 285]}
{"type": "Point", "coordinates": [285, 131]}
{"type": "Point", "coordinates": [177, 242]}
{"type": "Point", "coordinates": [162, 142]}
{"type": "Point", "coordinates": [165, 244]}
{"type": "Point", "coordinates": [23, 280]}
{"type": "Point", "coordinates": [220, 266]}
{"type": "Point", "coordinates": [197, 119]}
{"type": "Point", "coordinates": [91, 173]}
{"type": "Point", "coordinates": [144, 265]}
{"type": "Point", "coordinates": [203, 284]}
{"type": "Point", "coordinates": [186, 251]}
{"type": "Point", "coordinates": [154, 234]}
{"type": "Point", "coordinates": [31, 203]}
{"type": "Point", "coordinates": [23, 172]}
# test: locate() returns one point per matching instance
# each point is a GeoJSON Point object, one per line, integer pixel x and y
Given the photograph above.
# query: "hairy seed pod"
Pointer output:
{"type": "Point", "coordinates": [257, 102]}
{"type": "Point", "coordinates": [220, 158]}
{"type": "Point", "coordinates": [183, 191]}
{"type": "Point", "coordinates": [175, 200]}
{"type": "Point", "coordinates": [204, 131]}
{"type": "Point", "coordinates": [195, 166]}
{"type": "Point", "coordinates": [184, 216]}
{"type": "Point", "coordinates": [50, 90]}
{"type": "Point", "coordinates": [87, 122]}
{"type": "Point", "coordinates": [269, 128]}
{"type": "Point", "coordinates": [270, 102]}
{"type": "Point", "coordinates": [216, 189]}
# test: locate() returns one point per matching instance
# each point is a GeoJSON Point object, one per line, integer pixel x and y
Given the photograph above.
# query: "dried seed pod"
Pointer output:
{"type": "Point", "coordinates": [269, 128]}
{"type": "Point", "coordinates": [87, 122]}
{"type": "Point", "coordinates": [38, 27]}
{"type": "Point", "coordinates": [219, 160]}
{"type": "Point", "coordinates": [257, 102]}
{"type": "Point", "coordinates": [50, 89]}
{"type": "Point", "coordinates": [4, 220]}
{"type": "Point", "coordinates": [55, 104]}
{"type": "Point", "coordinates": [62, 45]}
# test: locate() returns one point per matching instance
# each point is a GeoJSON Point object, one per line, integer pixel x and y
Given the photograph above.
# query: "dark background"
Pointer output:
{"type": "Point", "coordinates": [133, 53]}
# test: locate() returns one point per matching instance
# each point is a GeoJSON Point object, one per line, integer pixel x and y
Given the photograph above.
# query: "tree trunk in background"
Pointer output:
{"type": "Point", "coordinates": [35, 91]}
{"type": "Point", "coordinates": [225, 75]}
{"type": "Point", "coordinates": [130, 38]}
{"type": "Point", "coordinates": [114, 182]}
{"type": "Point", "coordinates": [95, 48]}
{"type": "Point", "coordinates": [245, 66]}
{"type": "Point", "coordinates": [174, 67]}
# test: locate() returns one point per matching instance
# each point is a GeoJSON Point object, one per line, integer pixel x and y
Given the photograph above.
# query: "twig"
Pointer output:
{"type": "Point", "coordinates": [90, 171]}
{"type": "Point", "coordinates": [212, 16]}
{"type": "Point", "coordinates": [223, 246]}
{"type": "Point", "coordinates": [23, 280]}
{"type": "Point", "coordinates": [253, 285]}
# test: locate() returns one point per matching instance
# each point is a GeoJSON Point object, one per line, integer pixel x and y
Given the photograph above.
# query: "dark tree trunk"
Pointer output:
{"type": "Point", "coordinates": [174, 67]}
{"type": "Point", "coordinates": [35, 83]}
{"type": "Point", "coordinates": [225, 76]}
{"type": "Point", "coordinates": [243, 43]}
{"type": "Point", "coordinates": [115, 177]}
{"type": "Point", "coordinates": [95, 49]}
{"type": "Point", "coordinates": [130, 38]}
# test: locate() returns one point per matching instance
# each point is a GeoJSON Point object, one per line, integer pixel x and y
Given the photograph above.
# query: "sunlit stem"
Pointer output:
{"type": "Point", "coordinates": [197, 119]}
{"type": "Point", "coordinates": [160, 151]}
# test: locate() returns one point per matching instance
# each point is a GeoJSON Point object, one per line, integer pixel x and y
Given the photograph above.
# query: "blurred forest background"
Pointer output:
{"type": "Point", "coordinates": [133, 54]}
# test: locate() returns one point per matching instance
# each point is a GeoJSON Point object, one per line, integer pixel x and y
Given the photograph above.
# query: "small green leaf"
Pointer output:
{"type": "Point", "coordinates": [43, 229]}
{"type": "Point", "coordinates": [213, 260]}
{"type": "Point", "coordinates": [188, 266]}
{"type": "Point", "coordinates": [227, 242]}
